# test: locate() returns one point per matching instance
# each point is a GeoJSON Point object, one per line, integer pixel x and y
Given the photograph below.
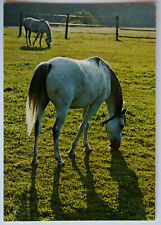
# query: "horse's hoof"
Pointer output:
{"type": "Point", "coordinates": [34, 162]}
{"type": "Point", "coordinates": [113, 148]}
{"type": "Point", "coordinates": [61, 163]}
{"type": "Point", "coordinates": [88, 149]}
{"type": "Point", "coordinates": [71, 154]}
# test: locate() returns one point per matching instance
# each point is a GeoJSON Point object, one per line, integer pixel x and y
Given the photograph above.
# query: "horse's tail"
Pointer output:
{"type": "Point", "coordinates": [37, 98]}
{"type": "Point", "coordinates": [24, 25]}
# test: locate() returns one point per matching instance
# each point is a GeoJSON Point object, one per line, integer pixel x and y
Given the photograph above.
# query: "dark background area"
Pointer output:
{"type": "Point", "coordinates": [130, 15]}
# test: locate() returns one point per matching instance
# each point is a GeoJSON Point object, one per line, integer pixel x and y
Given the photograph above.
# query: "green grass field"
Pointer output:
{"type": "Point", "coordinates": [105, 185]}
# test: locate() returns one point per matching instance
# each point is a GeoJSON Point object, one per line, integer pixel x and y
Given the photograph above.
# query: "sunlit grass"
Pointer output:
{"type": "Point", "coordinates": [105, 185]}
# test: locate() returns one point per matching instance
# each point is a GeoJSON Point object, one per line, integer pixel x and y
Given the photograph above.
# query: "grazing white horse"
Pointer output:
{"type": "Point", "coordinates": [70, 83]}
{"type": "Point", "coordinates": [37, 26]}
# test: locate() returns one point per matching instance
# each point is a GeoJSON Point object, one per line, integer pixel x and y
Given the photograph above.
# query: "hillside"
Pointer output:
{"type": "Point", "coordinates": [130, 15]}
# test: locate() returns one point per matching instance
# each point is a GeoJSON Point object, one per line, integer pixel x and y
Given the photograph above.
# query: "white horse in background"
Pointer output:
{"type": "Point", "coordinates": [70, 83]}
{"type": "Point", "coordinates": [37, 26]}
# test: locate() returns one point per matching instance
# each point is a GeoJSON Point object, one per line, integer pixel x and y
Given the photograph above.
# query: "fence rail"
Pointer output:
{"type": "Point", "coordinates": [142, 33]}
{"type": "Point", "coordinates": [67, 23]}
{"type": "Point", "coordinates": [120, 32]}
{"type": "Point", "coordinates": [76, 25]}
{"type": "Point", "coordinates": [71, 16]}
{"type": "Point", "coordinates": [138, 29]}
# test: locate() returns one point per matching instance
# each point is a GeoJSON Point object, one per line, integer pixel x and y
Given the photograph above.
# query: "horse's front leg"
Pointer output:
{"type": "Point", "coordinates": [26, 31]}
{"type": "Point", "coordinates": [29, 37]}
{"type": "Point", "coordinates": [85, 139]}
{"type": "Point", "coordinates": [61, 115]}
{"type": "Point", "coordinates": [40, 40]}
{"type": "Point", "coordinates": [91, 111]}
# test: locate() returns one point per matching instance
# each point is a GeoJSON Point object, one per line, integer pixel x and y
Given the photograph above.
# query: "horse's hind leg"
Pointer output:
{"type": "Point", "coordinates": [35, 39]}
{"type": "Point", "coordinates": [37, 132]}
{"type": "Point", "coordinates": [60, 118]}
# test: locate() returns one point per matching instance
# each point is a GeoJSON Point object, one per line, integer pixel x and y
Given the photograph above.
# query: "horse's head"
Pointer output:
{"type": "Point", "coordinates": [48, 41]}
{"type": "Point", "coordinates": [114, 127]}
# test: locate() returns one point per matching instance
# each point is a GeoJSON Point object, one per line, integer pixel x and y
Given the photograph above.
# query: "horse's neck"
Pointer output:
{"type": "Point", "coordinates": [48, 32]}
{"type": "Point", "coordinates": [115, 100]}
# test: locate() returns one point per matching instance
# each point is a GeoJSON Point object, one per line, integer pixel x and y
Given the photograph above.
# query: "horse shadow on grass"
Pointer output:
{"type": "Point", "coordinates": [130, 198]}
{"type": "Point", "coordinates": [29, 212]}
{"type": "Point", "coordinates": [32, 48]}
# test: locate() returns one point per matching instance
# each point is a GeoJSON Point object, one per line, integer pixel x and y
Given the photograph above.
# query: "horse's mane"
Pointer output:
{"type": "Point", "coordinates": [115, 83]}
{"type": "Point", "coordinates": [97, 60]}
{"type": "Point", "coordinates": [47, 24]}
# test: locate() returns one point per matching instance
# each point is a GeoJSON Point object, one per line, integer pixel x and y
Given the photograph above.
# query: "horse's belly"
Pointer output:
{"type": "Point", "coordinates": [85, 99]}
{"type": "Point", "coordinates": [80, 103]}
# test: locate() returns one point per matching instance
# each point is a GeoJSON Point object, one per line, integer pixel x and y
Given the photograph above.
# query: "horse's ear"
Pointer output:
{"type": "Point", "coordinates": [124, 111]}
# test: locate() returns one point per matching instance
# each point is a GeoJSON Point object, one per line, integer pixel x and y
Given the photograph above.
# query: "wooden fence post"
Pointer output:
{"type": "Point", "coordinates": [66, 28]}
{"type": "Point", "coordinates": [117, 28]}
{"type": "Point", "coordinates": [20, 24]}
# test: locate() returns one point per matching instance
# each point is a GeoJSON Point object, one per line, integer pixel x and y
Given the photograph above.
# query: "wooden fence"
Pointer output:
{"type": "Point", "coordinates": [119, 32]}
{"type": "Point", "coordinates": [67, 23]}
{"type": "Point", "coordinates": [144, 33]}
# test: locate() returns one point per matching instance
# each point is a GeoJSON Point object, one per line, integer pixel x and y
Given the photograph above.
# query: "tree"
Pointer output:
{"type": "Point", "coordinates": [84, 17]}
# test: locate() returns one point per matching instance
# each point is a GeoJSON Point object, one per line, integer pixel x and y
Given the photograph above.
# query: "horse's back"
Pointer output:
{"type": "Point", "coordinates": [78, 82]}
{"type": "Point", "coordinates": [35, 25]}
{"type": "Point", "coordinates": [29, 20]}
